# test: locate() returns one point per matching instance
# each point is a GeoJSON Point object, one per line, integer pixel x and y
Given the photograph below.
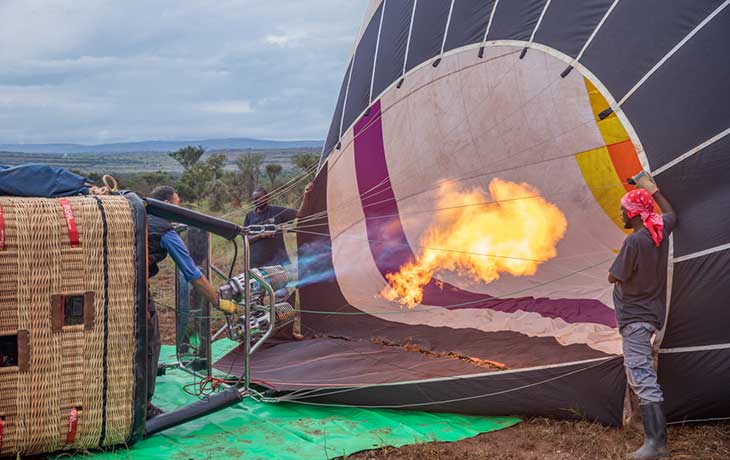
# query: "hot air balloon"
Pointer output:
{"type": "Point", "coordinates": [467, 209]}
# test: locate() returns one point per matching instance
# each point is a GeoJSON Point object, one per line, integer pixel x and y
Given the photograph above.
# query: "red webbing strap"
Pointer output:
{"type": "Point", "coordinates": [2, 246]}
{"type": "Point", "coordinates": [68, 213]}
{"type": "Point", "coordinates": [73, 421]}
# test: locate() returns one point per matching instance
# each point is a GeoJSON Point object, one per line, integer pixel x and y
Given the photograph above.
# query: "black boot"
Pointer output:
{"type": "Point", "coordinates": [655, 434]}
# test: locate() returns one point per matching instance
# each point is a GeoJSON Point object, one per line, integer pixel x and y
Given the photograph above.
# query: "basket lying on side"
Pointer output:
{"type": "Point", "coordinates": [72, 323]}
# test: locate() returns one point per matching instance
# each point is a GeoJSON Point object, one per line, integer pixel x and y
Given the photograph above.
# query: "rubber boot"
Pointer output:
{"type": "Point", "coordinates": [655, 434]}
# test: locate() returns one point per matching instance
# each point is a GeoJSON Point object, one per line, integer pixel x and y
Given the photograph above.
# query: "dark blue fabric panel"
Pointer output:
{"type": "Point", "coordinates": [695, 385]}
{"type": "Point", "coordinates": [333, 136]}
{"type": "Point", "coordinates": [687, 100]}
{"type": "Point", "coordinates": [40, 180]}
{"type": "Point", "coordinates": [515, 19]}
{"type": "Point", "coordinates": [468, 22]}
{"type": "Point", "coordinates": [637, 35]}
{"type": "Point", "coordinates": [699, 190]}
{"type": "Point", "coordinates": [358, 93]}
{"type": "Point", "coordinates": [699, 313]}
{"type": "Point", "coordinates": [392, 47]}
{"type": "Point", "coordinates": [567, 24]}
{"type": "Point", "coordinates": [429, 26]}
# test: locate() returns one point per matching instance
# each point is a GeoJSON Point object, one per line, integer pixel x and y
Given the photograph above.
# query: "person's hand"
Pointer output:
{"type": "Point", "coordinates": [645, 181]}
{"type": "Point", "coordinates": [228, 306]}
{"type": "Point", "coordinates": [308, 188]}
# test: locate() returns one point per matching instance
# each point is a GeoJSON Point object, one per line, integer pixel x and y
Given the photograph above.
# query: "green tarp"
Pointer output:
{"type": "Point", "coordinates": [255, 430]}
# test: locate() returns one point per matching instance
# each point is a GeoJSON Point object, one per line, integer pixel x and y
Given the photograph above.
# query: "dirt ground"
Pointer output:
{"type": "Point", "coordinates": [545, 439]}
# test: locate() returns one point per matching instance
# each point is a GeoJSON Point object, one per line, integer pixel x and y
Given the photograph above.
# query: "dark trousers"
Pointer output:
{"type": "Point", "coordinates": [153, 349]}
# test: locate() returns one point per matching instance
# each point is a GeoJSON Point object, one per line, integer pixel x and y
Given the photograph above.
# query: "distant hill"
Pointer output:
{"type": "Point", "coordinates": [240, 143]}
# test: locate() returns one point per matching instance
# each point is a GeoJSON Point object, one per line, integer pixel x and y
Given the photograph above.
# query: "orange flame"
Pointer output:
{"type": "Point", "coordinates": [513, 232]}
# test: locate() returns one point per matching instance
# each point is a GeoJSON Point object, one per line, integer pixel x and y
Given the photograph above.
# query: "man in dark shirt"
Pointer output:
{"type": "Point", "coordinates": [270, 249]}
{"type": "Point", "coordinates": [639, 276]}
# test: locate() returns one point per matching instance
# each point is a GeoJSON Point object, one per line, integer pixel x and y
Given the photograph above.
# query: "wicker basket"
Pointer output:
{"type": "Point", "coordinates": [73, 304]}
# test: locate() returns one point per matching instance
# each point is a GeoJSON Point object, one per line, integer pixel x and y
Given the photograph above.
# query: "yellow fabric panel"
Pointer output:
{"type": "Point", "coordinates": [611, 128]}
{"type": "Point", "coordinates": [601, 177]}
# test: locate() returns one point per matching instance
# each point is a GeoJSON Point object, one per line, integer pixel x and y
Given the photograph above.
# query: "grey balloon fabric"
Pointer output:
{"type": "Point", "coordinates": [660, 67]}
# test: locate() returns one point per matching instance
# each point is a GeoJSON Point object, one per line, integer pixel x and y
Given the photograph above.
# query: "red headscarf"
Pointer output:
{"type": "Point", "coordinates": [639, 202]}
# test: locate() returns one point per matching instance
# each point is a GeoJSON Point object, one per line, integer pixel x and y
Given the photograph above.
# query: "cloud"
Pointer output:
{"type": "Point", "coordinates": [285, 40]}
{"type": "Point", "coordinates": [227, 107]}
{"type": "Point", "coordinates": [83, 70]}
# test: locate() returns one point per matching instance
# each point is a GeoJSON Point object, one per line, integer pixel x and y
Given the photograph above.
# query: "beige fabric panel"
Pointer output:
{"type": "Point", "coordinates": [444, 130]}
{"type": "Point", "coordinates": [438, 127]}
{"type": "Point", "coordinates": [343, 197]}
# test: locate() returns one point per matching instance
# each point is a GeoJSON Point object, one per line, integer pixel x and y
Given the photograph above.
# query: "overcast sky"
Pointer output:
{"type": "Point", "coordinates": [96, 71]}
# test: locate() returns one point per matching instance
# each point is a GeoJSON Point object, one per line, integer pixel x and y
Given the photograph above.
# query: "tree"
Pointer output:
{"type": "Point", "coordinates": [188, 156]}
{"type": "Point", "coordinates": [218, 195]}
{"type": "Point", "coordinates": [273, 170]}
{"type": "Point", "coordinates": [249, 170]}
{"type": "Point", "coordinates": [197, 181]}
{"type": "Point", "coordinates": [305, 162]}
{"type": "Point", "coordinates": [234, 192]}
{"type": "Point", "coordinates": [144, 183]}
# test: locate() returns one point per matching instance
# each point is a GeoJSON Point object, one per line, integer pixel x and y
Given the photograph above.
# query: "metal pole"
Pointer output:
{"type": "Point", "coordinates": [247, 312]}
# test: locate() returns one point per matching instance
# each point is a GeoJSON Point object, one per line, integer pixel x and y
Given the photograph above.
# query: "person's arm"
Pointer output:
{"type": "Point", "coordinates": [203, 286]}
{"type": "Point", "coordinates": [625, 264]}
{"type": "Point", "coordinates": [305, 200]}
{"type": "Point", "coordinates": [260, 236]}
{"type": "Point", "coordinates": [664, 205]}
{"type": "Point", "coordinates": [174, 245]}
{"type": "Point", "coordinates": [645, 181]}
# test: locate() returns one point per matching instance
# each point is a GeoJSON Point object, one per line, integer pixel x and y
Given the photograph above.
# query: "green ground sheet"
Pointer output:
{"type": "Point", "coordinates": [288, 431]}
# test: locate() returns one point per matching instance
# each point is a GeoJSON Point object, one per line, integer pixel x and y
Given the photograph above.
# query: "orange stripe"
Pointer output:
{"type": "Point", "coordinates": [625, 161]}
{"type": "Point", "coordinates": [601, 177]}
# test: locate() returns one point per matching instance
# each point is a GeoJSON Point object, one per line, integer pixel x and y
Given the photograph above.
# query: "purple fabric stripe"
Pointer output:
{"type": "Point", "coordinates": [390, 249]}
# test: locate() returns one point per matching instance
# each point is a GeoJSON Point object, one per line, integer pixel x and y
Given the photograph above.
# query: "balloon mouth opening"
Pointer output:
{"type": "Point", "coordinates": [482, 235]}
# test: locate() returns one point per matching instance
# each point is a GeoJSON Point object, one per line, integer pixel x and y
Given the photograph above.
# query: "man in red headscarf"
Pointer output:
{"type": "Point", "coordinates": [639, 276]}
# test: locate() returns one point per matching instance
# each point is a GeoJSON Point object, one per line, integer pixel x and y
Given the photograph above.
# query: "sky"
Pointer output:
{"type": "Point", "coordinates": [98, 71]}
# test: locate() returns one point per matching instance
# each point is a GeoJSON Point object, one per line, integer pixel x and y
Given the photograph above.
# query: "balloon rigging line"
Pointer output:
{"type": "Point", "coordinates": [428, 248]}
{"type": "Point", "coordinates": [458, 179]}
{"type": "Point", "coordinates": [277, 192]}
{"type": "Point", "coordinates": [466, 118]}
{"type": "Point", "coordinates": [296, 225]}
{"type": "Point", "coordinates": [430, 403]}
{"type": "Point", "coordinates": [468, 177]}
{"type": "Point", "coordinates": [484, 173]}
{"type": "Point", "coordinates": [281, 191]}
{"type": "Point", "coordinates": [364, 195]}
{"type": "Point", "coordinates": [419, 88]}
{"type": "Point", "coordinates": [419, 310]}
